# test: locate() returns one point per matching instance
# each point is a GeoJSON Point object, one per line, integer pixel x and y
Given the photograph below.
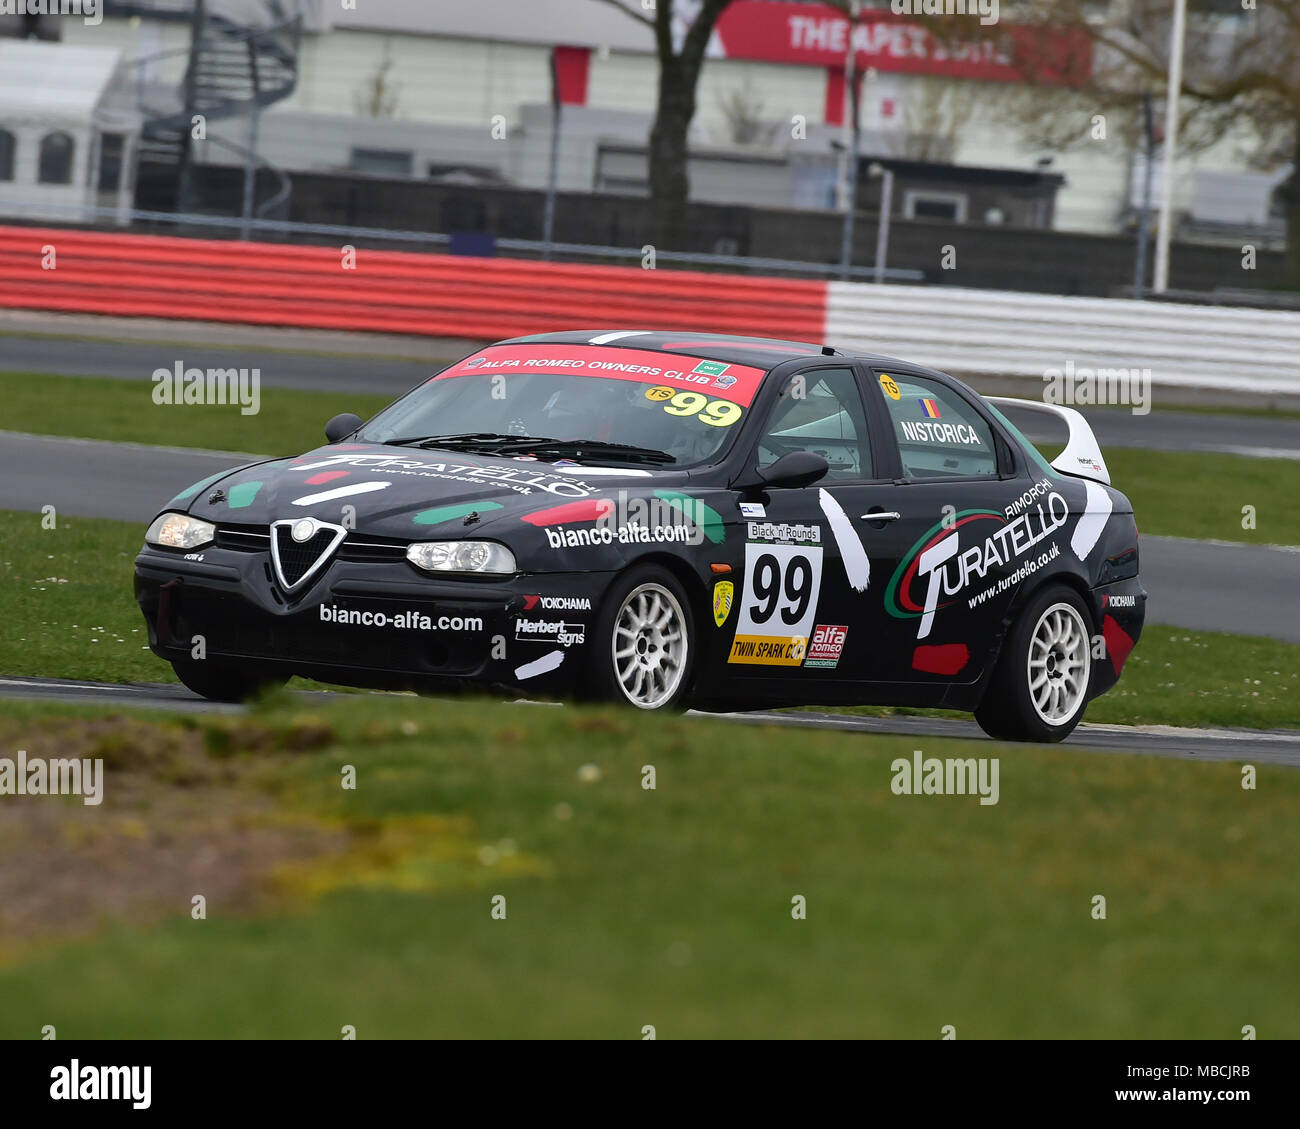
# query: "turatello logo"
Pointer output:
{"type": "Point", "coordinates": [945, 560]}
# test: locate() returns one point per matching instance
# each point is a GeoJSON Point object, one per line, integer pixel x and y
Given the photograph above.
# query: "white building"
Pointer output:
{"type": "Point", "coordinates": [68, 130]}
{"type": "Point", "coordinates": [462, 91]}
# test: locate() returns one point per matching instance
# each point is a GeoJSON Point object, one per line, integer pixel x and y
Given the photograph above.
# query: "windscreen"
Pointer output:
{"type": "Point", "coordinates": [686, 407]}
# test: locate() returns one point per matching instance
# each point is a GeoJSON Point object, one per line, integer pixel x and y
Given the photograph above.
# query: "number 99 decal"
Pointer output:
{"type": "Point", "coordinates": [716, 413]}
{"type": "Point", "coordinates": [789, 592]}
{"type": "Point", "coordinates": [782, 583]}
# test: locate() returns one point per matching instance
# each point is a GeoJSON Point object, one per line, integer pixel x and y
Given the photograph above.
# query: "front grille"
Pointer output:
{"type": "Point", "coordinates": [356, 549]}
{"type": "Point", "coordinates": [243, 538]}
{"type": "Point", "coordinates": [297, 558]}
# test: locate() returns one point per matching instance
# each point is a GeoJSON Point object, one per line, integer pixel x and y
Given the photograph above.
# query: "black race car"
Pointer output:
{"type": "Point", "coordinates": [664, 519]}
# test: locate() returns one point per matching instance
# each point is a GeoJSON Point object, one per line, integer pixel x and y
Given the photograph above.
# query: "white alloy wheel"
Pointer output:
{"type": "Point", "coordinates": [1059, 664]}
{"type": "Point", "coordinates": [649, 646]}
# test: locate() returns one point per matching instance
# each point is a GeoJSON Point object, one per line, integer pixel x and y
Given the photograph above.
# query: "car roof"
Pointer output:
{"type": "Point", "coordinates": [756, 352]}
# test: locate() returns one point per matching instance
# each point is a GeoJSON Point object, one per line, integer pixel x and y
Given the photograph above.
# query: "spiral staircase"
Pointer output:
{"type": "Point", "coordinates": [233, 70]}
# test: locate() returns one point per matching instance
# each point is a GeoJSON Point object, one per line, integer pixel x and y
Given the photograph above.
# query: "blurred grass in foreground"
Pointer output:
{"type": "Point", "coordinates": [669, 907]}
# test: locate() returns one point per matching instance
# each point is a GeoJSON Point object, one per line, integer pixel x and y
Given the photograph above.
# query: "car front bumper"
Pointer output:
{"type": "Point", "coordinates": [374, 624]}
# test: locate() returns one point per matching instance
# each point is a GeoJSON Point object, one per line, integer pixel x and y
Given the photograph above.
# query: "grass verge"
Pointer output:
{"type": "Point", "coordinates": [288, 420]}
{"type": "Point", "coordinates": [627, 906]}
{"type": "Point", "coordinates": [1178, 494]}
{"type": "Point", "coordinates": [71, 613]}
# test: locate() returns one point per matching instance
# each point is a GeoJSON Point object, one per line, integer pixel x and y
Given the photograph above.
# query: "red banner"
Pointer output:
{"type": "Point", "coordinates": [719, 379]}
{"type": "Point", "coordinates": [769, 31]}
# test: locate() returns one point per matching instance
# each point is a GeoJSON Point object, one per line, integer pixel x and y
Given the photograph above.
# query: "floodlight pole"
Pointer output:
{"type": "Point", "coordinates": [853, 92]}
{"type": "Point", "coordinates": [1176, 40]}
{"type": "Point", "coordinates": [552, 171]}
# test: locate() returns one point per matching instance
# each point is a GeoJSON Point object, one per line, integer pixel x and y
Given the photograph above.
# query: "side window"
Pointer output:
{"type": "Point", "coordinates": [56, 159]}
{"type": "Point", "coordinates": [939, 433]}
{"type": "Point", "coordinates": [820, 411]}
{"type": "Point", "coordinates": [7, 146]}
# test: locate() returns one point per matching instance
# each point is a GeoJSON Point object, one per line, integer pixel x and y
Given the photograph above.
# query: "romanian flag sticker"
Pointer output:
{"type": "Point", "coordinates": [929, 408]}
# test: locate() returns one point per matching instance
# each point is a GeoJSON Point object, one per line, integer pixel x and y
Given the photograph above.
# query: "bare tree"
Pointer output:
{"type": "Point", "coordinates": [743, 107]}
{"type": "Point", "coordinates": [1241, 67]}
{"type": "Point", "coordinates": [935, 112]}
{"type": "Point", "coordinates": [679, 74]}
{"type": "Point", "coordinates": [377, 96]}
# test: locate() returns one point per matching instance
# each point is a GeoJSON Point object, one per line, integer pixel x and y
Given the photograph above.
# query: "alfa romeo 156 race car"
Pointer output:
{"type": "Point", "coordinates": [663, 520]}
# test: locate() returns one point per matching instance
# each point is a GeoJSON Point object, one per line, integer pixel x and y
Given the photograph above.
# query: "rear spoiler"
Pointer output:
{"type": "Point", "coordinates": [1082, 454]}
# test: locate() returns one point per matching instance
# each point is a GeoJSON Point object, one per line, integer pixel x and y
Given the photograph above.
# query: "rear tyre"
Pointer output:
{"type": "Point", "coordinates": [221, 683]}
{"type": "Point", "coordinates": [1039, 688]}
{"type": "Point", "coordinates": [643, 647]}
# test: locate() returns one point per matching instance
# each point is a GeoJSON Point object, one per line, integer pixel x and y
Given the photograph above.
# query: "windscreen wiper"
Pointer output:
{"type": "Point", "coordinates": [493, 443]}
{"type": "Point", "coordinates": [582, 448]}
{"type": "Point", "coordinates": [464, 437]}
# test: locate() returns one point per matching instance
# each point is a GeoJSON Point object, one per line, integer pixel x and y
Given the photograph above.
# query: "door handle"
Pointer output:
{"type": "Point", "coordinates": [882, 515]}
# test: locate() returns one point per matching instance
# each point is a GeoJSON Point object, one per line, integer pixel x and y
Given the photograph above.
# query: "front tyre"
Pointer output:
{"type": "Point", "coordinates": [644, 642]}
{"type": "Point", "coordinates": [220, 683]}
{"type": "Point", "coordinates": [1040, 686]}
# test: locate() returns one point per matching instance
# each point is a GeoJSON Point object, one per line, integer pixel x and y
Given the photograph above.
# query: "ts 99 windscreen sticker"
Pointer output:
{"type": "Point", "coordinates": [783, 578]}
{"type": "Point", "coordinates": [716, 413]}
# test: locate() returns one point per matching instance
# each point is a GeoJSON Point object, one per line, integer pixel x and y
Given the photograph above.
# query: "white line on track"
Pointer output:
{"type": "Point", "coordinates": [240, 456]}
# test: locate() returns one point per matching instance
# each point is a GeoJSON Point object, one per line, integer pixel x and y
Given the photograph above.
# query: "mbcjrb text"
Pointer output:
{"type": "Point", "coordinates": [180, 385]}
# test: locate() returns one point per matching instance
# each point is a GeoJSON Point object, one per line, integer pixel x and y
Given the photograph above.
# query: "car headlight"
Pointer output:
{"type": "Point", "coordinates": [180, 531]}
{"type": "Point", "coordinates": [461, 556]}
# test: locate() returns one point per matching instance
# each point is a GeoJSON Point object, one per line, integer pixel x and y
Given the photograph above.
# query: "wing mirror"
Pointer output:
{"type": "Point", "coordinates": [342, 426]}
{"type": "Point", "coordinates": [798, 468]}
